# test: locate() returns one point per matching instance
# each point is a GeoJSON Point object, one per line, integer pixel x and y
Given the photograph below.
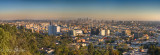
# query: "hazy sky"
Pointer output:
{"type": "Point", "coordinates": [96, 9]}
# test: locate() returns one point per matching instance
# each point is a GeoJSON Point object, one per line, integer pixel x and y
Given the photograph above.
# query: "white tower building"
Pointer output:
{"type": "Point", "coordinates": [108, 32]}
{"type": "Point", "coordinates": [53, 30]}
{"type": "Point", "coordinates": [77, 32]}
{"type": "Point", "coordinates": [103, 33]}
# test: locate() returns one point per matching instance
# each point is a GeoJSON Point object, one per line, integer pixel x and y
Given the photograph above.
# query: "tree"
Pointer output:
{"type": "Point", "coordinates": [5, 42]}
{"type": "Point", "coordinates": [151, 50]}
{"type": "Point", "coordinates": [65, 50]}
{"type": "Point", "coordinates": [96, 52]}
{"type": "Point", "coordinates": [23, 39]}
{"type": "Point", "coordinates": [106, 52]}
{"type": "Point", "coordinates": [90, 49]}
{"type": "Point", "coordinates": [58, 50]}
{"type": "Point", "coordinates": [157, 51]}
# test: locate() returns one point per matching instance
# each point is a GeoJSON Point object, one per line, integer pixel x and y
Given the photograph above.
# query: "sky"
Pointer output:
{"type": "Point", "coordinates": [145, 10]}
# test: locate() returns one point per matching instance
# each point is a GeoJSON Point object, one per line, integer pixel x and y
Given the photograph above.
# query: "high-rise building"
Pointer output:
{"type": "Point", "coordinates": [108, 32]}
{"type": "Point", "coordinates": [103, 32]}
{"type": "Point", "coordinates": [53, 30]}
{"type": "Point", "coordinates": [123, 33]}
{"type": "Point", "coordinates": [94, 31]}
{"type": "Point", "coordinates": [112, 21]}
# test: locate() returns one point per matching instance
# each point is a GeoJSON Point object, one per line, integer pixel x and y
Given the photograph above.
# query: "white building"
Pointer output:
{"type": "Point", "coordinates": [103, 33]}
{"type": "Point", "coordinates": [77, 32]}
{"type": "Point", "coordinates": [108, 32]}
{"type": "Point", "coordinates": [53, 30]}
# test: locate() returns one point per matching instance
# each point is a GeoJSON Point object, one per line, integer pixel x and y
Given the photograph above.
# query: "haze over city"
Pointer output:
{"type": "Point", "coordinates": [138, 10]}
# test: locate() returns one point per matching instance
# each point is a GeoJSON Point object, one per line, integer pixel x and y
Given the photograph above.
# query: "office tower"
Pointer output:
{"type": "Point", "coordinates": [123, 33]}
{"type": "Point", "coordinates": [94, 31]}
{"type": "Point", "coordinates": [103, 32]}
{"type": "Point", "coordinates": [32, 30]}
{"type": "Point", "coordinates": [53, 30]}
{"type": "Point", "coordinates": [108, 32]}
{"type": "Point", "coordinates": [112, 21]}
{"type": "Point", "coordinates": [97, 31]}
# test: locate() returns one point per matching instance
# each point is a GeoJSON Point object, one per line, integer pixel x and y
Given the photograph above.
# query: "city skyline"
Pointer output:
{"type": "Point", "coordinates": [139, 10]}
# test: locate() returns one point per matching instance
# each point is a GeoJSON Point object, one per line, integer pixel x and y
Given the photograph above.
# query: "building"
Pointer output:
{"type": "Point", "coordinates": [81, 40]}
{"type": "Point", "coordinates": [102, 33]}
{"type": "Point", "coordinates": [77, 32]}
{"type": "Point", "coordinates": [108, 32]}
{"type": "Point", "coordinates": [137, 35]}
{"type": "Point", "coordinates": [123, 33]}
{"type": "Point", "coordinates": [83, 45]}
{"type": "Point", "coordinates": [158, 40]}
{"type": "Point", "coordinates": [128, 32]}
{"type": "Point", "coordinates": [94, 31]}
{"type": "Point", "coordinates": [53, 30]}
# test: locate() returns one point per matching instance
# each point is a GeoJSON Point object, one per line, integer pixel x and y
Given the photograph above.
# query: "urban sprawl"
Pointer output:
{"type": "Point", "coordinates": [135, 36]}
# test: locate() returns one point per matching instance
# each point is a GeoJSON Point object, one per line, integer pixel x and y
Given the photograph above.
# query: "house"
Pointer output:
{"type": "Point", "coordinates": [81, 40]}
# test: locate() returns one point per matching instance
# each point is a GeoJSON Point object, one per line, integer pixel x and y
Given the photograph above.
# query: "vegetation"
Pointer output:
{"type": "Point", "coordinates": [153, 50]}
{"type": "Point", "coordinates": [20, 41]}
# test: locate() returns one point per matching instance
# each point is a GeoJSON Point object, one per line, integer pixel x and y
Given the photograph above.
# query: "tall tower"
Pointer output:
{"type": "Point", "coordinates": [108, 32]}
{"type": "Point", "coordinates": [53, 29]}
{"type": "Point", "coordinates": [103, 32]}
{"type": "Point", "coordinates": [51, 23]}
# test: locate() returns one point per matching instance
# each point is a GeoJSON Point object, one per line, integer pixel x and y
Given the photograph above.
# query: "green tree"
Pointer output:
{"type": "Point", "coordinates": [90, 49]}
{"type": "Point", "coordinates": [96, 52]}
{"type": "Point", "coordinates": [151, 50]}
{"type": "Point", "coordinates": [65, 50]}
{"type": "Point", "coordinates": [6, 41]}
{"type": "Point", "coordinates": [106, 52]}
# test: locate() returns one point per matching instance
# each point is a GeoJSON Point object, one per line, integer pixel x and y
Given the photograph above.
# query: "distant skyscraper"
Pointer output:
{"type": "Point", "coordinates": [53, 29]}
{"type": "Point", "coordinates": [123, 33]}
{"type": "Point", "coordinates": [112, 21]}
{"type": "Point", "coordinates": [97, 31]}
{"type": "Point", "coordinates": [108, 32]}
{"type": "Point", "coordinates": [103, 32]}
{"type": "Point", "coordinates": [50, 23]}
{"type": "Point", "coordinates": [94, 31]}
